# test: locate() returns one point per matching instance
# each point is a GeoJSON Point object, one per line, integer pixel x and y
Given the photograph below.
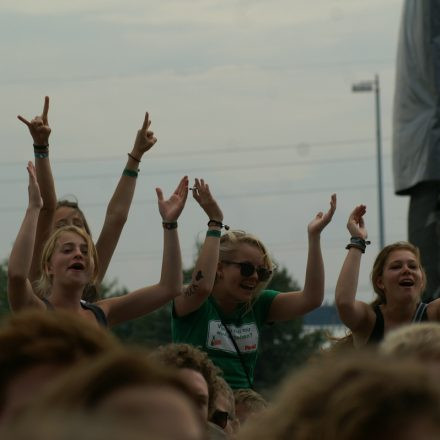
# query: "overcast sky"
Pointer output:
{"type": "Point", "coordinates": [254, 96]}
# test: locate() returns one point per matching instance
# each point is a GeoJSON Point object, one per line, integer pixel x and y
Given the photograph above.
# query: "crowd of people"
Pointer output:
{"type": "Point", "coordinates": [62, 372]}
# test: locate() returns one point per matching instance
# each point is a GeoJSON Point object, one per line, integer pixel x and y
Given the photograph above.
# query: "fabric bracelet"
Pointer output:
{"type": "Point", "coordinates": [358, 243]}
{"type": "Point", "coordinates": [130, 173]}
{"type": "Point", "coordinates": [134, 158]}
{"type": "Point", "coordinates": [213, 233]}
{"type": "Point", "coordinates": [169, 225]}
{"type": "Point", "coordinates": [41, 147]}
{"type": "Point", "coordinates": [39, 155]}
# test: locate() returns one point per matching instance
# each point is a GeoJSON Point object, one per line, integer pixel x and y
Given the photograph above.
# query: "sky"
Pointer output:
{"type": "Point", "coordinates": [253, 96]}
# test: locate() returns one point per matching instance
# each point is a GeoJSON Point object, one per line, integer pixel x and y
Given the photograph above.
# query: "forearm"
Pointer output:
{"type": "Point", "coordinates": [205, 269]}
{"type": "Point", "coordinates": [22, 250]}
{"type": "Point", "coordinates": [346, 286]}
{"type": "Point", "coordinates": [313, 290]}
{"type": "Point", "coordinates": [171, 277]}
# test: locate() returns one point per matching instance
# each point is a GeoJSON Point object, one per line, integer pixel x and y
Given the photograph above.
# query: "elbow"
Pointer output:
{"type": "Point", "coordinates": [117, 217]}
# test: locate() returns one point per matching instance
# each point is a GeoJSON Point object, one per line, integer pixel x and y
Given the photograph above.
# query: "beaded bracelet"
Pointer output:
{"type": "Point", "coordinates": [169, 225]}
{"type": "Point", "coordinates": [130, 173]}
{"type": "Point", "coordinates": [213, 233]}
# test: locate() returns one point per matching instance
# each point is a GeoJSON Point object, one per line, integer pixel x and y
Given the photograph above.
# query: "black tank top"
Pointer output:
{"type": "Point", "coordinates": [96, 310]}
{"type": "Point", "coordinates": [379, 326]}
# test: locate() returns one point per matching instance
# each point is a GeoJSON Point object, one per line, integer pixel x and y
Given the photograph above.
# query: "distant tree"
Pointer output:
{"type": "Point", "coordinates": [284, 346]}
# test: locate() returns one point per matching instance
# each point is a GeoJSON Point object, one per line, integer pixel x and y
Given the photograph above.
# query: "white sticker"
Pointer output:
{"type": "Point", "coordinates": [246, 337]}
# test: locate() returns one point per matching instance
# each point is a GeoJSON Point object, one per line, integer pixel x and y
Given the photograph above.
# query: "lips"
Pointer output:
{"type": "Point", "coordinates": [77, 266]}
{"type": "Point", "coordinates": [247, 287]}
{"type": "Point", "coordinates": [407, 282]}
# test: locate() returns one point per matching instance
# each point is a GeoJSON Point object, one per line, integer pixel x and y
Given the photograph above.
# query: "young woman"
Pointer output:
{"type": "Point", "coordinates": [55, 214]}
{"type": "Point", "coordinates": [225, 306]}
{"type": "Point", "coordinates": [398, 280]}
{"type": "Point", "coordinates": [70, 263]}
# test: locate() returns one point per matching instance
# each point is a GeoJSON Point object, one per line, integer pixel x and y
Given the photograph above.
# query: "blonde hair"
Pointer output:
{"type": "Point", "coordinates": [417, 340]}
{"type": "Point", "coordinates": [229, 243]}
{"type": "Point", "coordinates": [252, 400]}
{"type": "Point", "coordinates": [379, 264]}
{"type": "Point", "coordinates": [44, 284]}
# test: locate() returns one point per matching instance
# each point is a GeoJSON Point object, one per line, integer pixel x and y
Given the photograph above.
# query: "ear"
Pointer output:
{"type": "Point", "coordinates": [379, 283]}
{"type": "Point", "coordinates": [219, 273]}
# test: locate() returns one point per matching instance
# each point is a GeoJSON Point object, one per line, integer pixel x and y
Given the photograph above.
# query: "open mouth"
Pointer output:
{"type": "Point", "coordinates": [406, 283]}
{"type": "Point", "coordinates": [77, 266]}
{"type": "Point", "coordinates": [247, 287]}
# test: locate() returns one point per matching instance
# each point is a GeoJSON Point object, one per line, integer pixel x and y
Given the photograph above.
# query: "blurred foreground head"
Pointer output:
{"type": "Point", "coordinates": [38, 345]}
{"type": "Point", "coordinates": [127, 389]}
{"type": "Point", "coordinates": [359, 396]}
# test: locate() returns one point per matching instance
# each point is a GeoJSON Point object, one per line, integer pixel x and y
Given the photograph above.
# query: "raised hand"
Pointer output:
{"type": "Point", "coordinates": [39, 126]}
{"type": "Point", "coordinates": [145, 138]}
{"type": "Point", "coordinates": [35, 199]}
{"type": "Point", "coordinates": [204, 198]}
{"type": "Point", "coordinates": [171, 209]}
{"type": "Point", "coordinates": [322, 220]}
{"type": "Point", "coordinates": [356, 224]}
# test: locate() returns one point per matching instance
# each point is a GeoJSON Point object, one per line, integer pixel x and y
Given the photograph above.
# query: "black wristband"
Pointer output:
{"type": "Point", "coordinates": [217, 223]}
{"type": "Point", "coordinates": [358, 243]}
{"type": "Point", "coordinates": [169, 225]}
{"type": "Point", "coordinates": [41, 147]}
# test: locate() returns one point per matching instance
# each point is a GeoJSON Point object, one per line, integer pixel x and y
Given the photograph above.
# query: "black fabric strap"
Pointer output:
{"type": "Point", "coordinates": [238, 353]}
{"type": "Point", "coordinates": [418, 316]}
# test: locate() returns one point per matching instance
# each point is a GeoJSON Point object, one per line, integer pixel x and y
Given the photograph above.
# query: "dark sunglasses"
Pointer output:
{"type": "Point", "coordinates": [220, 418]}
{"type": "Point", "coordinates": [247, 269]}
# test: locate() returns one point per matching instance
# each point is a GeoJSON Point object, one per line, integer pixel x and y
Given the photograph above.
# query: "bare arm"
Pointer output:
{"type": "Point", "coordinates": [40, 132]}
{"type": "Point", "coordinates": [289, 305]}
{"type": "Point", "coordinates": [356, 315]}
{"type": "Point", "coordinates": [205, 269]}
{"type": "Point", "coordinates": [119, 205]}
{"type": "Point", "coordinates": [20, 292]}
{"type": "Point", "coordinates": [148, 299]}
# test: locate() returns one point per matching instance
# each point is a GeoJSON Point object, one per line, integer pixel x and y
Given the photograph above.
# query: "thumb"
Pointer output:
{"type": "Point", "coordinates": [159, 194]}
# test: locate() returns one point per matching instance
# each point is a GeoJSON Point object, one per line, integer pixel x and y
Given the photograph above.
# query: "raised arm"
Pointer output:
{"type": "Point", "coordinates": [119, 205]}
{"type": "Point", "coordinates": [20, 292]}
{"type": "Point", "coordinates": [354, 314]}
{"type": "Point", "coordinates": [289, 305]}
{"type": "Point", "coordinates": [205, 269]}
{"type": "Point", "coordinates": [148, 299]}
{"type": "Point", "coordinates": [40, 132]}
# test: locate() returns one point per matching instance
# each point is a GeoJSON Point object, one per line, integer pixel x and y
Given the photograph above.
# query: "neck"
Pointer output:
{"type": "Point", "coordinates": [400, 312]}
{"type": "Point", "coordinates": [66, 297]}
{"type": "Point", "coordinates": [225, 303]}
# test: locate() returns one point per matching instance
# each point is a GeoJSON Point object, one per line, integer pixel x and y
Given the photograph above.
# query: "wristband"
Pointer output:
{"type": "Point", "coordinates": [169, 225]}
{"type": "Point", "coordinates": [213, 233]}
{"type": "Point", "coordinates": [134, 158]}
{"type": "Point", "coordinates": [39, 155]}
{"type": "Point", "coordinates": [41, 147]}
{"type": "Point", "coordinates": [358, 243]}
{"type": "Point", "coordinates": [217, 223]}
{"type": "Point", "coordinates": [130, 173]}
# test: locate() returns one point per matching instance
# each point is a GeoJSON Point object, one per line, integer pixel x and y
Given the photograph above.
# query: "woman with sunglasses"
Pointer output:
{"type": "Point", "coordinates": [225, 306]}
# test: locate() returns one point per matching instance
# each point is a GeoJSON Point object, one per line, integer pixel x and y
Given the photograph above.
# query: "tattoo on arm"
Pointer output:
{"type": "Point", "coordinates": [192, 288]}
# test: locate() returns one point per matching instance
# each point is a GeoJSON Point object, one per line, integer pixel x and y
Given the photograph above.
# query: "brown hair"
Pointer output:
{"type": "Point", "coordinates": [74, 205]}
{"type": "Point", "coordinates": [252, 400]}
{"type": "Point", "coordinates": [188, 356]}
{"type": "Point", "coordinates": [379, 264]}
{"type": "Point", "coordinates": [361, 396]}
{"type": "Point", "coordinates": [44, 284]}
{"type": "Point", "coordinates": [34, 337]}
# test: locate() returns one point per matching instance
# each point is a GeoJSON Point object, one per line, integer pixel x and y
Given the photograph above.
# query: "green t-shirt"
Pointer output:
{"type": "Point", "coordinates": [203, 328]}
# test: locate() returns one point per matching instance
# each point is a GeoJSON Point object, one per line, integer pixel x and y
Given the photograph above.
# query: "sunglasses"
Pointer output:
{"type": "Point", "coordinates": [247, 269]}
{"type": "Point", "coordinates": [220, 418]}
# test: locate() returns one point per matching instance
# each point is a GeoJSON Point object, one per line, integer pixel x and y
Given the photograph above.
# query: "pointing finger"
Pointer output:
{"type": "Point", "coordinates": [146, 122]}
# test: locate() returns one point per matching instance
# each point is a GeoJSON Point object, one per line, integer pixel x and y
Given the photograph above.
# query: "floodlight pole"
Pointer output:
{"type": "Point", "coordinates": [368, 86]}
